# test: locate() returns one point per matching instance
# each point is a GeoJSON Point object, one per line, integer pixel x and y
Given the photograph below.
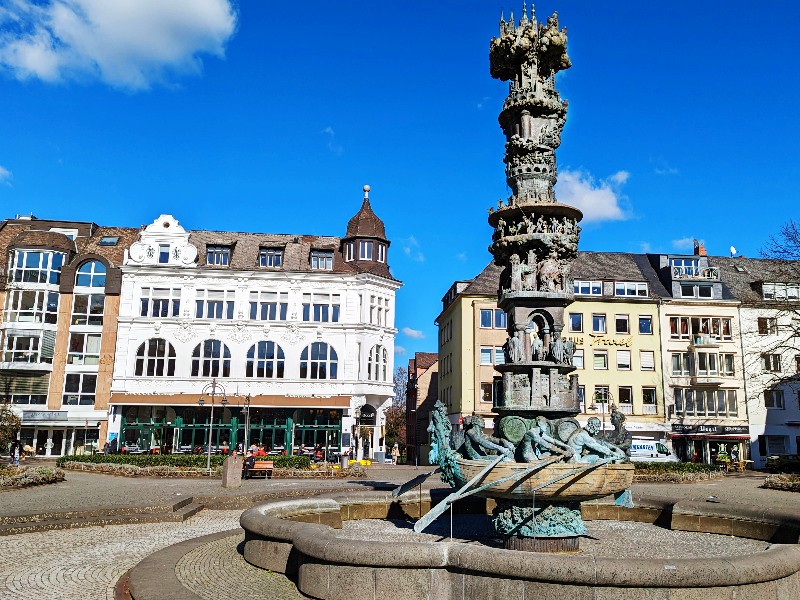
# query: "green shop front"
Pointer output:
{"type": "Point", "coordinates": [187, 428]}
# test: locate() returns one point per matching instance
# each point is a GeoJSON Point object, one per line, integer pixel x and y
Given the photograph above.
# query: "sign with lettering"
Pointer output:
{"type": "Point", "coordinates": [601, 339]}
{"type": "Point", "coordinates": [44, 415]}
{"type": "Point", "coordinates": [711, 429]}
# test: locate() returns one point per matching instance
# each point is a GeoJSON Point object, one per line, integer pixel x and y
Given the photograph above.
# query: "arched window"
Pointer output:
{"type": "Point", "coordinates": [318, 361]}
{"type": "Point", "coordinates": [155, 358]}
{"type": "Point", "coordinates": [91, 274]}
{"type": "Point", "coordinates": [211, 358]}
{"type": "Point", "coordinates": [378, 364]}
{"type": "Point", "coordinates": [265, 359]}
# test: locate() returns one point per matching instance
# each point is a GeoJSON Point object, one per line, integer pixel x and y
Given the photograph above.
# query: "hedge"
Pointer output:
{"type": "Point", "coordinates": [787, 483]}
{"type": "Point", "coordinates": [674, 467]}
{"type": "Point", "coordinates": [196, 461]}
{"type": "Point", "coordinates": [29, 476]}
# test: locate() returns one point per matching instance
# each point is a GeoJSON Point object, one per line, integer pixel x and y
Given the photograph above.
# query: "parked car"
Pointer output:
{"type": "Point", "coordinates": [783, 463]}
{"type": "Point", "coordinates": [647, 450]}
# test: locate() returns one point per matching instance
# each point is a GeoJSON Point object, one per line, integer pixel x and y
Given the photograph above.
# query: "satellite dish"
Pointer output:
{"type": "Point", "coordinates": [733, 251]}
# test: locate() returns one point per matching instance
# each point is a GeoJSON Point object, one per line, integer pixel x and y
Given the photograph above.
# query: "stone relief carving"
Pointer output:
{"type": "Point", "coordinates": [240, 333]}
{"type": "Point", "coordinates": [292, 334]}
{"type": "Point", "coordinates": [185, 330]}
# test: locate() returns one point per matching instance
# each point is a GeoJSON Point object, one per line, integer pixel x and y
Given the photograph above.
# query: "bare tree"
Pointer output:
{"type": "Point", "coordinates": [785, 246]}
{"type": "Point", "coordinates": [400, 382]}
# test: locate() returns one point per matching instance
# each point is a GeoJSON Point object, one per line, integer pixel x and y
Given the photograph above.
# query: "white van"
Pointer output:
{"type": "Point", "coordinates": [647, 450]}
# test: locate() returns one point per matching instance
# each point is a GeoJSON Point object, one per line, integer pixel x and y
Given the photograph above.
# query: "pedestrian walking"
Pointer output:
{"type": "Point", "coordinates": [16, 449]}
{"type": "Point", "coordinates": [395, 453]}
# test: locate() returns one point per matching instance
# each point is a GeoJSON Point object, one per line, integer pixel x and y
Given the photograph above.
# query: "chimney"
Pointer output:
{"type": "Point", "coordinates": [699, 248]}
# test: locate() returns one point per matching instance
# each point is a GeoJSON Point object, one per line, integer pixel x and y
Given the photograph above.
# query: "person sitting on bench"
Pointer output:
{"type": "Point", "coordinates": [248, 463]}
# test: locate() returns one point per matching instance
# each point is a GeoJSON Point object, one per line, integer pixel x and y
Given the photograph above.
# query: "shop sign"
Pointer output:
{"type": "Point", "coordinates": [600, 339]}
{"type": "Point", "coordinates": [44, 415]}
{"type": "Point", "coordinates": [711, 429]}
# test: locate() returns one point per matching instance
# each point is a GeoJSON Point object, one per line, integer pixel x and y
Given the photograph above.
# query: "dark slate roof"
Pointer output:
{"type": "Point", "coordinates": [486, 283]}
{"type": "Point", "coordinates": [745, 285]}
{"type": "Point", "coordinates": [365, 223]}
{"type": "Point", "coordinates": [296, 252]}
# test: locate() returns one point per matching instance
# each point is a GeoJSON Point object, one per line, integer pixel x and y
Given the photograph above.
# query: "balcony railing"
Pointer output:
{"type": "Point", "coordinates": [649, 409]}
{"type": "Point", "coordinates": [626, 409]}
{"type": "Point", "coordinates": [704, 273]}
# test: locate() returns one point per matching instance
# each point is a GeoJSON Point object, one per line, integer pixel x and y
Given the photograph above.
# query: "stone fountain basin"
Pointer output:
{"type": "Point", "coordinates": [300, 538]}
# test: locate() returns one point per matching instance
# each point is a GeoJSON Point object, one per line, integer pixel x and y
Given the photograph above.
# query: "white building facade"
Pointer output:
{"type": "Point", "coordinates": [297, 332]}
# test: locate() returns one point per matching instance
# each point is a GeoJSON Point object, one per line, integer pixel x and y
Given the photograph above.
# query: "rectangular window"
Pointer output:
{"type": "Point", "coordinates": [163, 254]}
{"type": "Point", "coordinates": [31, 306]}
{"type": "Point", "coordinates": [109, 240]}
{"type": "Point", "coordinates": [707, 363]}
{"type": "Point", "coordinates": [582, 397]}
{"type": "Point", "coordinates": [350, 251]}
{"type": "Point", "coordinates": [622, 324]}
{"type": "Point", "coordinates": [36, 266]}
{"type": "Point", "coordinates": [767, 325]}
{"type": "Point", "coordinates": [26, 349]}
{"type": "Point", "coordinates": [270, 257]}
{"type": "Point", "coordinates": [379, 311]}
{"type": "Point", "coordinates": [601, 395]}
{"type": "Point", "coordinates": [269, 306]}
{"type": "Point", "coordinates": [84, 349]}
{"type": "Point", "coordinates": [684, 267]}
{"type": "Point", "coordinates": [321, 308]}
{"type": "Point", "coordinates": [365, 249]}
{"type": "Point", "coordinates": [486, 355]}
{"type": "Point", "coordinates": [214, 304]}
{"type": "Point", "coordinates": [87, 309]}
{"type": "Point", "coordinates": [781, 291]}
{"type": "Point", "coordinates": [649, 396]}
{"type": "Point", "coordinates": [646, 325]}
{"type": "Point", "coordinates": [499, 356]}
{"type": "Point", "coordinates": [576, 322]}
{"type": "Point", "coordinates": [321, 260]}
{"type": "Point", "coordinates": [577, 359]}
{"type": "Point", "coordinates": [486, 318]}
{"type": "Point", "coordinates": [771, 362]}
{"type": "Point", "coordinates": [628, 288]}
{"type": "Point", "coordinates": [499, 319]}
{"type": "Point", "coordinates": [625, 395]}
{"type": "Point", "coordinates": [647, 360]}
{"type": "Point", "coordinates": [381, 253]}
{"type": "Point", "coordinates": [682, 364]}
{"type": "Point", "coordinates": [217, 255]}
{"type": "Point", "coordinates": [776, 444]}
{"type": "Point", "coordinates": [601, 359]}
{"type": "Point", "coordinates": [773, 399]}
{"type": "Point", "coordinates": [492, 318]}
{"type": "Point", "coordinates": [160, 302]}
{"type": "Point", "coordinates": [598, 323]}
{"type": "Point", "coordinates": [727, 365]}
{"type": "Point", "coordinates": [79, 389]}
{"type": "Point", "coordinates": [486, 392]}
{"type": "Point", "coordinates": [588, 288]}
{"type": "Point", "coordinates": [623, 360]}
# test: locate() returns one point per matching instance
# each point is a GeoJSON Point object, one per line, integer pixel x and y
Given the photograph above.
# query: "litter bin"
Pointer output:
{"type": "Point", "coordinates": [345, 461]}
{"type": "Point", "coordinates": [379, 457]}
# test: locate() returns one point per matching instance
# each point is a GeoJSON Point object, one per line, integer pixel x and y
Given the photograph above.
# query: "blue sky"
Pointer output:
{"type": "Point", "coordinates": [259, 117]}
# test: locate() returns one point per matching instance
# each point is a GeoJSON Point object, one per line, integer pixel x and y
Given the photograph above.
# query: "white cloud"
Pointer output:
{"type": "Point", "coordinates": [333, 146]}
{"type": "Point", "coordinates": [413, 333]}
{"type": "Point", "coordinates": [482, 102]}
{"type": "Point", "coordinates": [129, 44]}
{"type": "Point", "coordinates": [400, 350]}
{"type": "Point", "coordinates": [645, 247]}
{"type": "Point", "coordinates": [5, 176]}
{"type": "Point", "coordinates": [411, 249]}
{"type": "Point", "coordinates": [686, 243]}
{"type": "Point", "coordinates": [598, 199]}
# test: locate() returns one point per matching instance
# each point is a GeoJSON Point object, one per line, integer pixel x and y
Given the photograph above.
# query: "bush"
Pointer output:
{"type": "Point", "coordinates": [29, 476]}
{"type": "Point", "coordinates": [196, 461]}
{"type": "Point", "coordinates": [788, 483]}
{"type": "Point", "coordinates": [128, 470]}
{"type": "Point", "coordinates": [679, 467]}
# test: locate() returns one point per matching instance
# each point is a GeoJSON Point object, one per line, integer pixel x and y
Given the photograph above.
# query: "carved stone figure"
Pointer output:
{"type": "Point", "coordinates": [537, 347]}
{"type": "Point", "coordinates": [529, 272]}
{"type": "Point", "coordinates": [538, 443]}
{"type": "Point", "coordinates": [516, 349]}
{"type": "Point", "coordinates": [549, 275]}
{"type": "Point", "coordinates": [588, 449]}
{"type": "Point", "coordinates": [516, 273]}
{"type": "Point", "coordinates": [620, 436]}
{"type": "Point", "coordinates": [569, 351]}
{"type": "Point", "coordinates": [557, 349]}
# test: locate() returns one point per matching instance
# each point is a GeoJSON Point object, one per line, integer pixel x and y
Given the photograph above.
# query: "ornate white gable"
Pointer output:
{"type": "Point", "coordinates": [163, 242]}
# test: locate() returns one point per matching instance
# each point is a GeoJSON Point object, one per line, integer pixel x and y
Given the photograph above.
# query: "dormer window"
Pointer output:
{"type": "Point", "coordinates": [109, 240]}
{"type": "Point", "coordinates": [781, 291]}
{"type": "Point", "coordinates": [350, 251]}
{"type": "Point", "coordinates": [218, 256]}
{"type": "Point", "coordinates": [321, 260]}
{"type": "Point", "coordinates": [685, 267]}
{"type": "Point", "coordinates": [366, 249]}
{"type": "Point", "coordinates": [381, 253]}
{"type": "Point", "coordinates": [270, 257]}
{"type": "Point", "coordinates": [628, 288]}
{"type": "Point", "coordinates": [163, 254]}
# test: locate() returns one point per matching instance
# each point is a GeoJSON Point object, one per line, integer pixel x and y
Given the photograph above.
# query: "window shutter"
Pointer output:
{"type": "Point", "coordinates": [648, 361]}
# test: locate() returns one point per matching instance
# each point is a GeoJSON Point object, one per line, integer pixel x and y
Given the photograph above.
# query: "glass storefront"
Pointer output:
{"type": "Point", "coordinates": [186, 429]}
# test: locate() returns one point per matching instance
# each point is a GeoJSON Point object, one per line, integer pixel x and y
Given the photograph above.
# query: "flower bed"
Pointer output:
{"type": "Point", "coordinates": [183, 461]}
{"type": "Point", "coordinates": [29, 476]}
{"type": "Point", "coordinates": [129, 470]}
{"type": "Point", "coordinates": [675, 472]}
{"type": "Point", "coordinates": [787, 483]}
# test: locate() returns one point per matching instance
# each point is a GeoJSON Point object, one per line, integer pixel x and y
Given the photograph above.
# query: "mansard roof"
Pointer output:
{"type": "Point", "coordinates": [744, 276]}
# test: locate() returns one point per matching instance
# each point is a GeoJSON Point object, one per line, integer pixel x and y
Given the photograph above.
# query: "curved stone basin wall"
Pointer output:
{"type": "Point", "coordinates": [296, 537]}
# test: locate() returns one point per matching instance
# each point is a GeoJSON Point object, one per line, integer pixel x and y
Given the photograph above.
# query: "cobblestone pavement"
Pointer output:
{"type": "Point", "coordinates": [85, 564]}
{"type": "Point", "coordinates": [217, 570]}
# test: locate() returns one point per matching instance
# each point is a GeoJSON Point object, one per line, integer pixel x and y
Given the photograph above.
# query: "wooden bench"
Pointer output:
{"type": "Point", "coordinates": [262, 466]}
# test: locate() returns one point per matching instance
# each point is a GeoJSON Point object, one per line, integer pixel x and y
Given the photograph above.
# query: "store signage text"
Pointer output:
{"type": "Point", "coordinates": [44, 415]}
{"type": "Point", "coordinates": [599, 339]}
{"type": "Point", "coordinates": [720, 429]}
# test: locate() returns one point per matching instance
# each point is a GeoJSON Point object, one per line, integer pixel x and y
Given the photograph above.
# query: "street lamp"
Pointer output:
{"type": "Point", "coordinates": [356, 430]}
{"type": "Point", "coordinates": [416, 451]}
{"type": "Point", "coordinates": [246, 422]}
{"type": "Point", "coordinates": [212, 389]}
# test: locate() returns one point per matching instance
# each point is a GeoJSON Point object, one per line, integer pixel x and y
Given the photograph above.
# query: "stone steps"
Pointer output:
{"type": "Point", "coordinates": [99, 517]}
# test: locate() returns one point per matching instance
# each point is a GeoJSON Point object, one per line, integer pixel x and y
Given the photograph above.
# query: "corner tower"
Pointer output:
{"type": "Point", "coordinates": [365, 246]}
{"type": "Point", "coordinates": [535, 237]}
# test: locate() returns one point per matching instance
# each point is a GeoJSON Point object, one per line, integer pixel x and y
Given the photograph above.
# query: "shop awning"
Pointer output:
{"type": "Point", "coordinates": [256, 401]}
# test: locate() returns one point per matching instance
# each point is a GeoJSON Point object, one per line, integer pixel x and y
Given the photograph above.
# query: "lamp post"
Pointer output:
{"type": "Point", "coordinates": [212, 390]}
{"type": "Point", "coordinates": [416, 451]}
{"type": "Point", "coordinates": [246, 422]}
{"type": "Point", "coordinates": [357, 430]}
